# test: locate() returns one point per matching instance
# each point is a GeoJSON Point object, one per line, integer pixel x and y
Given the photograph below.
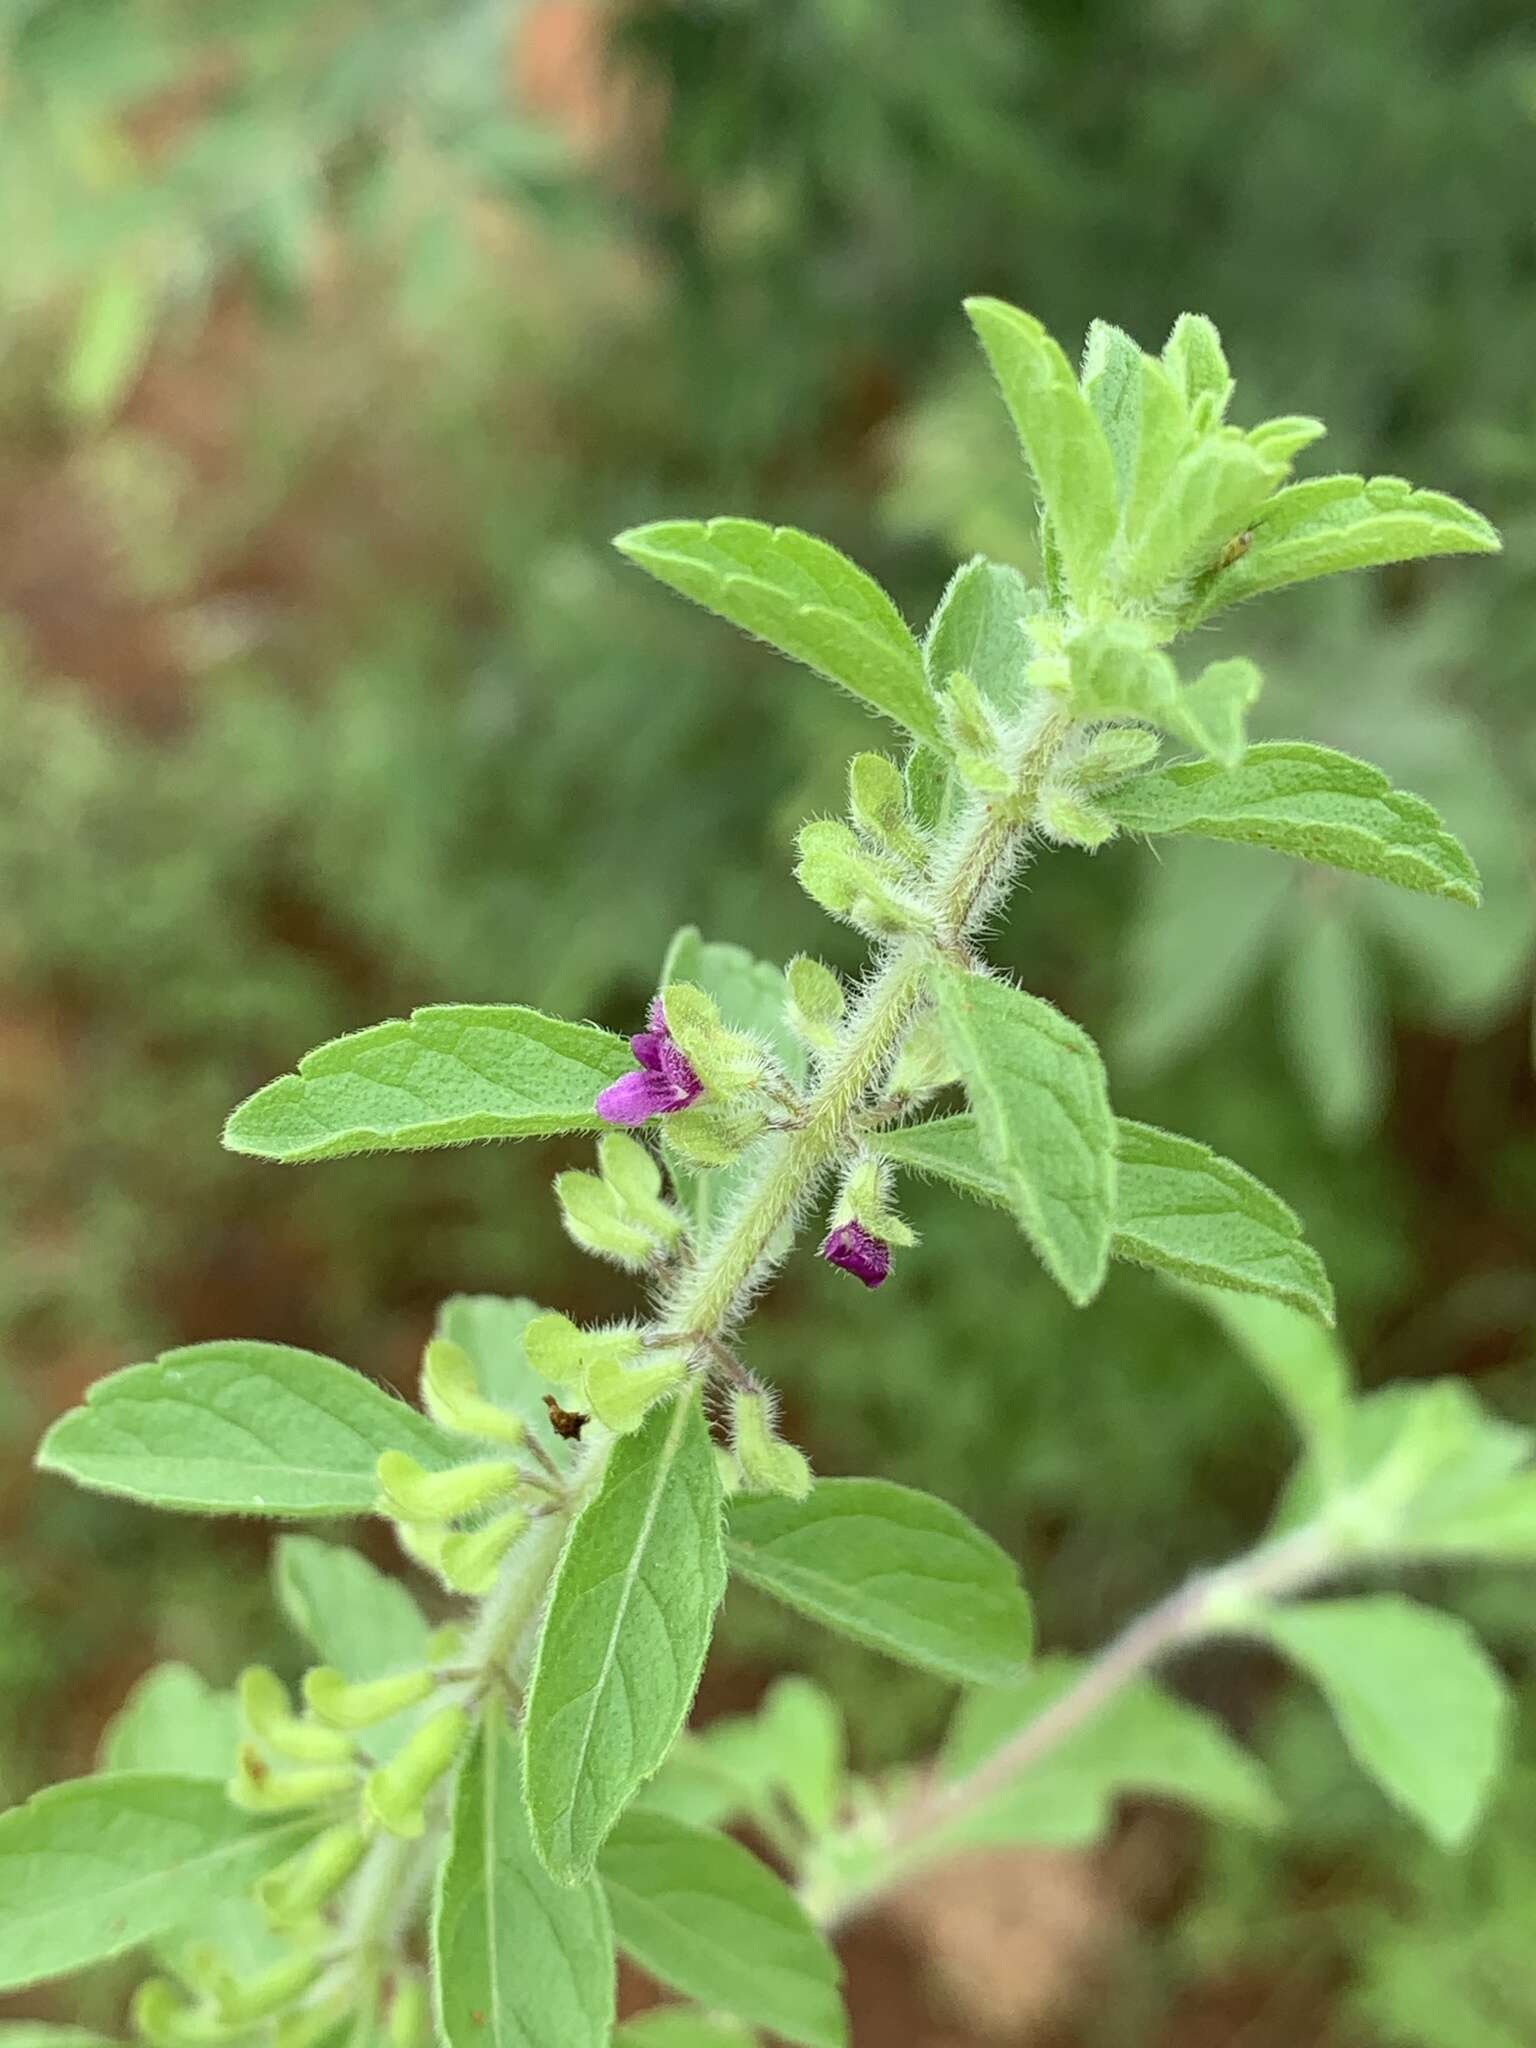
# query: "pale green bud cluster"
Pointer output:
{"type": "Point", "coordinates": [976, 741]}
{"type": "Point", "coordinates": [869, 873]}
{"type": "Point", "coordinates": [766, 1463]}
{"type": "Point", "coordinates": [607, 1371]}
{"type": "Point", "coordinates": [816, 1004]}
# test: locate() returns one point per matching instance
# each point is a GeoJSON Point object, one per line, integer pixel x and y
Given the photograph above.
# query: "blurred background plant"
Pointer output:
{"type": "Point", "coordinates": [335, 341]}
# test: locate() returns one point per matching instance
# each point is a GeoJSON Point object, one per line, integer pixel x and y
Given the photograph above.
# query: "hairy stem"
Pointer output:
{"type": "Point", "coordinates": [1204, 1606]}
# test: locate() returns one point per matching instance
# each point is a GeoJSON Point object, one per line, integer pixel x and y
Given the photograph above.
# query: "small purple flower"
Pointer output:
{"type": "Point", "coordinates": [665, 1081]}
{"type": "Point", "coordinates": [857, 1251]}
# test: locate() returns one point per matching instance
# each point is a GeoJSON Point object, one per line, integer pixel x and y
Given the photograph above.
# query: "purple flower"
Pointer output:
{"type": "Point", "coordinates": [665, 1081]}
{"type": "Point", "coordinates": [857, 1251]}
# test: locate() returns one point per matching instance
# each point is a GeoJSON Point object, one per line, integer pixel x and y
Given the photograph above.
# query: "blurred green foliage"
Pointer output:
{"type": "Point", "coordinates": [335, 342]}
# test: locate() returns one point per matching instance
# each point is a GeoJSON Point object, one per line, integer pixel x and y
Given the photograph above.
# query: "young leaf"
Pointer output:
{"type": "Point", "coordinates": [801, 596]}
{"type": "Point", "coordinates": [1212, 494]}
{"type": "Point", "coordinates": [1418, 1700]}
{"type": "Point", "coordinates": [1037, 1090]}
{"type": "Point", "coordinates": [173, 1721]}
{"type": "Point", "coordinates": [804, 1737]}
{"type": "Point", "coordinates": [1115, 674]}
{"type": "Point", "coordinates": [1061, 438]}
{"type": "Point", "coordinates": [1307, 801]}
{"type": "Point", "coordinates": [1180, 1208]}
{"type": "Point", "coordinates": [1330, 523]}
{"type": "Point", "coordinates": [240, 1429]}
{"type": "Point", "coordinates": [896, 1569]}
{"type": "Point", "coordinates": [705, 1917]}
{"type": "Point", "coordinates": [1111, 381]}
{"type": "Point", "coordinates": [1196, 361]}
{"type": "Point", "coordinates": [96, 1866]}
{"type": "Point", "coordinates": [625, 1635]}
{"type": "Point", "coordinates": [442, 1077]}
{"type": "Point", "coordinates": [1304, 1367]}
{"type": "Point", "coordinates": [1143, 1741]}
{"type": "Point", "coordinates": [357, 1620]}
{"type": "Point", "coordinates": [978, 630]}
{"type": "Point", "coordinates": [489, 1328]}
{"type": "Point", "coordinates": [519, 1961]}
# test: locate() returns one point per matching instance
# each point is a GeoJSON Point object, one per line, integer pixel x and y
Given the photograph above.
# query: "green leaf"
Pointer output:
{"type": "Point", "coordinates": [978, 630]}
{"type": "Point", "coordinates": [801, 596]}
{"type": "Point", "coordinates": [1179, 1207]}
{"type": "Point", "coordinates": [358, 1620]}
{"type": "Point", "coordinates": [1212, 494]}
{"type": "Point", "coordinates": [1304, 1366]}
{"type": "Point", "coordinates": [1331, 523]}
{"type": "Point", "coordinates": [704, 1917]}
{"type": "Point", "coordinates": [444, 1076]}
{"type": "Point", "coordinates": [1062, 440]}
{"type": "Point", "coordinates": [1184, 1209]}
{"type": "Point", "coordinates": [1306, 801]}
{"type": "Point", "coordinates": [1421, 1705]}
{"type": "Point", "coordinates": [625, 1635]}
{"type": "Point", "coordinates": [1115, 674]}
{"type": "Point", "coordinates": [1197, 363]}
{"type": "Point", "coordinates": [519, 1961]}
{"type": "Point", "coordinates": [675, 2026]}
{"type": "Point", "coordinates": [112, 338]}
{"type": "Point", "coordinates": [1331, 1014]}
{"type": "Point", "coordinates": [1111, 383]}
{"type": "Point", "coordinates": [1144, 1740]}
{"type": "Point", "coordinates": [1497, 1526]}
{"type": "Point", "coordinates": [1037, 1090]}
{"type": "Point", "coordinates": [240, 1428]}
{"type": "Point", "coordinates": [804, 1738]}
{"type": "Point", "coordinates": [173, 1721]}
{"type": "Point", "coordinates": [44, 2034]}
{"type": "Point", "coordinates": [91, 1868]}
{"type": "Point", "coordinates": [893, 1568]}
{"type": "Point", "coordinates": [489, 1328]}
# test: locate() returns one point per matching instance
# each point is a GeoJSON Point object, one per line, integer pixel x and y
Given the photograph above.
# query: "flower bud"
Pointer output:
{"type": "Point", "coordinates": [396, 1794]}
{"type": "Point", "coordinates": [726, 1061]}
{"type": "Point", "coordinates": [816, 1002]}
{"type": "Point", "coordinates": [302, 1885]}
{"type": "Point", "coordinates": [160, 2016]}
{"type": "Point", "coordinates": [423, 1543]}
{"type": "Point", "coordinates": [409, 2022]}
{"type": "Point", "coordinates": [257, 1788]}
{"type": "Point", "coordinates": [1112, 753]}
{"type": "Point", "coordinates": [367, 1702]}
{"type": "Point", "coordinates": [620, 1396]}
{"type": "Point", "coordinates": [314, 2021]}
{"type": "Point", "coordinates": [768, 1464]}
{"type": "Point", "coordinates": [244, 2000]}
{"type": "Point", "coordinates": [416, 1495]}
{"type": "Point", "coordinates": [851, 883]}
{"type": "Point", "coordinates": [594, 1218]}
{"type": "Point", "coordinates": [924, 1062]}
{"type": "Point", "coordinates": [556, 1348]}
{"type": "Point", "coordinates": [865, 1197]}
{"type": "Point", "coordinates": [265, 1709]}
{"type": "Point", "coordinates": [470, 1561]}
{"type": "Point", "coordinates": [877, 798]}
{"type": "Point", "coordinates": [451, 1396]}
{"type": "Point", "coordinates": [973, 738]}
{"type": "Point", "coordinates": [717, 1133]}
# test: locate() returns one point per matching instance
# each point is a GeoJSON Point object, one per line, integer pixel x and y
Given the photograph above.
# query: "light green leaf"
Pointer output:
{"type": "Point", "coordinates": [804, 1736]}
{"type": "Point", "coordinates": [442, 1077]}
{"type": "Point", "coordinates": [1333, 1021]}
{"type": "Point", "coordinates": [358, 1620]}
{"type": "Point", "coordinates": [978, 630]}
{"type": "Point", "coordinates": [173, 1721]}
{"type": "Point", "coordinates": [489, 1328]}
{"type": "Point", "coordinates": [1212, 494]}
{"type": "Point", "coordinates": [625, 1634]}
{"type": "Point", "coordinates": [1196, 361]}
{"type": "Point", "coordinates": [1116, 674]}
{"type": "Point", "coordinates": [1111, 383]}
{"type": "Point", "coordinates": [1421, 1705]}
{"type": "Point", "coordinates": [1179, 1207]}
{"type": "Point", "coordinates": [676, 2026]}
{"type": "Point", "coordinates": [241, 1429]}
{"type": "Point", "coordinates": [1498, 1526]}
{"type": "Point", "coordinates": [91, 1868]}
{"type": "Point", "coordinates": [706, 1918]}
{"type": "Point", "coordinates": [801, 596]}
{"type": "Point", "coordinates": [1304, 1366]}
{"type": "Point", "coordinates": [112, 338]}
{"type": "Point", "coordinates": [519, 1961]}
{"type": "Point", "coordinates": [1306, 801]}
{"type": "Point", "coordinates": [1331, 523]}
{"type": "Point", "coordinates": [1061, 438]}
{"type": "Point", "coordinates": [1037, 1090]}
{"type": "Point", "coordinates": [1143, 1741]}
{"type": "Point", "coordinates": [893, 1568]}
